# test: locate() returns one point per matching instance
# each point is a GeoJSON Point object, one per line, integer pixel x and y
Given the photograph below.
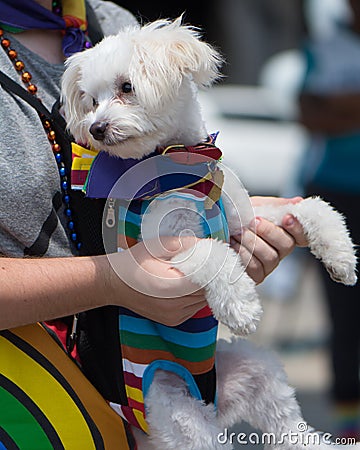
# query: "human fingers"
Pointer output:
{"type": "Point", "coordinates": [159, 278]}
{"type": "Point", "coordinates": [294, 228]}
{"type": "Point", "coordinates": [253, 266]}
{"type": "Point", "coordinates": [164, 247]}
{"type": "Point", "coordinates": [289, 222]}
{"type": "Point", "coordinates": [167, 308]}
{"type": "Point", "coordinates": [262, 246]}
{"type": "Point", "coordinates": [273, 236]}
{"type": "Point", "coordinates": [264, 257]}
{"type": "Point", "coordinates": [150, 276]}
{"type": "Point", "coordinates": [174, 311]}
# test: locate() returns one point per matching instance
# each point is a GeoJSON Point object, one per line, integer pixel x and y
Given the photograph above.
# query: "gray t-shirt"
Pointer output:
{"type": "Point", "coordinates": [29, 178]}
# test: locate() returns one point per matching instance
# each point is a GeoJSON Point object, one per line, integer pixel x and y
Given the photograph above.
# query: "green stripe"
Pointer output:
{"type": "Point", "coordinates": [131, 230]}
{"type": "Point", "coordinates": [11, 29]}
{"type": "Point", "coordinates": [147, 342]}
{"type": "Point", "coordinates": [20, 424]}
{"type": "Point", "coordinates": [218, 235]}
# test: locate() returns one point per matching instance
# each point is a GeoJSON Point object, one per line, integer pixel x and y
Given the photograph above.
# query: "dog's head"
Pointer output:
{"type": "Point", "coordinates": [137, 90]}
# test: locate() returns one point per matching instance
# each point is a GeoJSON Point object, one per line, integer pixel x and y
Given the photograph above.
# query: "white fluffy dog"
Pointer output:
{"type": "Point", "coordinates": [135, 92]}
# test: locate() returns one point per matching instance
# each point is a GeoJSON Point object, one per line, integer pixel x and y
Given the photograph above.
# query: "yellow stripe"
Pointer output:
{"type": "Point", "coordinates": [141, 421]}
{"type": "Point", "coordinates": [78, 150]}
{"type": "Point", "coordinates": [134, 394]}
{"type": "Point", "coordinates": [137, 395]}
{"type": "Point", "coordinates": [81, 163]}
{"type": "Point", "coordinates": [48, 395]}
{"type": "Point", "coordinates": [75, 8]}
{"type": "Point", "coordinates": [169, 147]}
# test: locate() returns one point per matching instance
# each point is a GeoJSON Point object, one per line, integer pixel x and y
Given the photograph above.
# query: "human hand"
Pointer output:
{"type": "Point", "coordinates": [263, 244]}
{"type": "Point", "coordinates": [145, 282]}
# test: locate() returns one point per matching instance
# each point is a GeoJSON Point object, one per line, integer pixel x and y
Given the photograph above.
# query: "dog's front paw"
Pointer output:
{"type": "Point", "coordinates": [343, 273]}
{"type": "Point", "coordinates": [230, 292]}
{"type": "Point", "coordinates": [328, 237]}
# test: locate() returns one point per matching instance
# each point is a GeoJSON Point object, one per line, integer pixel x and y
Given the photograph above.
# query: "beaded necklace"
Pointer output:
{"type": "Point", "coordinates": [57, 7]}
{"type": "Point", "coordinates": [26, 78]}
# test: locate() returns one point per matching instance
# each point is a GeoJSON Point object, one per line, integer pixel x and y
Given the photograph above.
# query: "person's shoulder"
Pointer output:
{"type": "Point", "coordinates": [6, 68]}
{"type": "Point", "coordinates": [112, 17]}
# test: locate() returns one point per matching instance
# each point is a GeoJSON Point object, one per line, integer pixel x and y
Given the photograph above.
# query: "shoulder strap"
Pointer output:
{"type": "Point", "coordinates": [94, 29]}
{"type": "Point", "coordinates": [100, 352]}
{"type": "Point", "coordinates": [11, 86]}
{"type": "Point", "coordinates": [54, 116]}
{"type": "Point", "coordinates": [87, 212]}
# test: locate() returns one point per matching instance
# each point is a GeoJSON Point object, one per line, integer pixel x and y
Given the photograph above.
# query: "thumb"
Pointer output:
{"type": "Point", "coordinates": [166, 247]}
{"type": "Point", "coordinates": [294, 227]}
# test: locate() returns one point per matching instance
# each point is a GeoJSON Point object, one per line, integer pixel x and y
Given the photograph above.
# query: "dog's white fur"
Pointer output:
{"type": "Point", "coordinates": [164, 63]}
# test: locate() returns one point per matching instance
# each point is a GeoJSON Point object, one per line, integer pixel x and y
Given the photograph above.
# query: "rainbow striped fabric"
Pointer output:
{"type": "Point", "coordinates": [46, 401]}
{"type": "Point", "coordinates": [188, 349]}
{"type": "Point", "coordinates": [82, 159]}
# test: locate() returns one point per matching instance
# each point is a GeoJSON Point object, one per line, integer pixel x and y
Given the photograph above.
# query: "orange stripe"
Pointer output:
{"type": "Point", "coordinates": [125, 242]}
{"type": "Point", "coordinates": [131, 241]}
{"type": "Point", "coordinates": [140, 356]}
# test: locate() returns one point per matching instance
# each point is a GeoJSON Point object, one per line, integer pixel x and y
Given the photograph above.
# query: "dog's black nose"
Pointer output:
{"type": "Point", "coordinates": [98, 129]}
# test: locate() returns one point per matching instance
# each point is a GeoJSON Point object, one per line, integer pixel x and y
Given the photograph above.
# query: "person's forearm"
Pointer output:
{"type": "Point", "coordinates": [32, 290]}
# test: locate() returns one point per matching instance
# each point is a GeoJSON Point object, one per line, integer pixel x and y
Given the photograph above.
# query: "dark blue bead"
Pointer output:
{"type": "Point", "coordinates": [78, 245]}
{"type": "Point", "coordinates": [62, 171]}
{"type": "Point", "coordinates": [71, 225]}
{"type": "Point", "coordinates": [74, 236]}
{"type": "Point", "coordinates": [64, 185]}
{"type": "Point", "coordinates": [67, 198]}
{"type": "Point", "coordinates": [58, 157]}
{"type": "Point", "coordinates": [68, 212]}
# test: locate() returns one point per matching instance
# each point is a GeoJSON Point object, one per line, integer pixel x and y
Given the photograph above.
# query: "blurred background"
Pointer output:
{"type": "Point", "coordinates": [288, 112]}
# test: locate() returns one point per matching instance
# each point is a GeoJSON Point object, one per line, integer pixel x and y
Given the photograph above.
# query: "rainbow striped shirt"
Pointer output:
{"type": "Point", "coordinates": [187, 349]}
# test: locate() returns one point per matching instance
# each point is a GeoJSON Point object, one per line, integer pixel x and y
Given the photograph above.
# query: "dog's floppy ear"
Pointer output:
{"type": "Point", "coordinates": [164, 52]}
{"type": "Point", "coordinates": [71, 92]}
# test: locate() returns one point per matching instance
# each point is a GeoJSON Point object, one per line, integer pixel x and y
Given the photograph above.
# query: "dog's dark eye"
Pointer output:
{"type": "Point", "coordinates": [94, 102]}
{"type": "Point", "coordinates": [126, 87]}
